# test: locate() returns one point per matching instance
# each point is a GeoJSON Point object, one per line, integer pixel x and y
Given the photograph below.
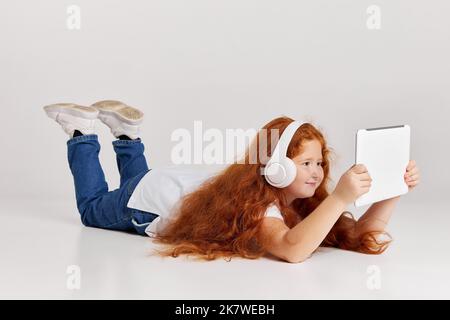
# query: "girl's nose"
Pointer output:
{"type": "Point", "coordinates": [315, 173]}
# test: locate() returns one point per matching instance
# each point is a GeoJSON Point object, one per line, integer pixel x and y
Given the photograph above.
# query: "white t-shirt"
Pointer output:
{"type": "Point", "coordinates": [160, 190]}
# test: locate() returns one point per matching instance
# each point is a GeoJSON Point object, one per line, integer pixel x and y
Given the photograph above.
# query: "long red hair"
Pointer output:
{"type": "Point", "coordinates": [222, 218]}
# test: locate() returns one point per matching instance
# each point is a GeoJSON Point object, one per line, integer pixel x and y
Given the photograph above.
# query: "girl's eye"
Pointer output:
{"type": "Point", "coordinates": [319, 163]}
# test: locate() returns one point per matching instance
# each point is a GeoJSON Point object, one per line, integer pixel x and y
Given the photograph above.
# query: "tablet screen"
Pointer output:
{"type": "Point", "coordinates": [385, 153]}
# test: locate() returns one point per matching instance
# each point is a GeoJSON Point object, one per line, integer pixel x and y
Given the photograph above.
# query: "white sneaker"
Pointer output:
{"type": "Point", "coordinates": [120, 118]}
{"type": "Point", "coordinates": [73, 117]}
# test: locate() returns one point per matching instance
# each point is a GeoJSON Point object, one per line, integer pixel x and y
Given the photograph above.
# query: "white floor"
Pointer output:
{"type": "Point", "coordinates": [39, 241]}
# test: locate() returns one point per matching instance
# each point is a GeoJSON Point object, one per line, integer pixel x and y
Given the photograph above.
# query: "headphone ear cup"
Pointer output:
{"type": "Point", "coordinates": [280, 174]}
{"type": "Point", "coordinates": [274, 173]}
{"type": "Point", "coordinates": [291, 172]}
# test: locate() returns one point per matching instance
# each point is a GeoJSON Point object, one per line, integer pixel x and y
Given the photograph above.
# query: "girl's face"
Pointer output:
{"type": "Point", "coordinates": [309, 172]}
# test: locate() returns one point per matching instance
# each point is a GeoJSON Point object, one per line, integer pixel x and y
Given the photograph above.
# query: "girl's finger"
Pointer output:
{"type": "Point", "coordinates": [412, 177]}
{"type": "Point", "coordinates": [412, 172]}
{"type": "Point", "coordinates": [410, 165]}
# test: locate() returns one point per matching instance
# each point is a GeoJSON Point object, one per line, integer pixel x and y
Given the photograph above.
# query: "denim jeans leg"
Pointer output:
{"type": "Point", "coordinates": [130, 158]}
{"type": "Point", "coordinates": [97, 207]}
{"type": "Point", "coordinates": [132, 167]}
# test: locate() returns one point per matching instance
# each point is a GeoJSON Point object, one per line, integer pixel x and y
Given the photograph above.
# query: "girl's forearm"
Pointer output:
{"type": "Point", "coordinates": [308, 234]}
{"type": "Point", "coordinates": [377, 216]}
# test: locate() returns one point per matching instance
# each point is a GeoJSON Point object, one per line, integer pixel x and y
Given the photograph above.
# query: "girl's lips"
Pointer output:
{"type": "Point", "coordinates": [311, 184]}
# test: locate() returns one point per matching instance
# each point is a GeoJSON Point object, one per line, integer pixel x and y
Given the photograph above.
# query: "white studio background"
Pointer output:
{"type": "Point", "coordinates": [230, 64]}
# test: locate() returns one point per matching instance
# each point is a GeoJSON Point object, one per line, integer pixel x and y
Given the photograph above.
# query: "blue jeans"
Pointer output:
{"type": "Point", "coordinates": [99, 207]}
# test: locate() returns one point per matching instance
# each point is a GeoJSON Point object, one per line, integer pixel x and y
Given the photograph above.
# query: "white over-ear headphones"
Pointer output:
{"type": "Point", "coordinates": [280, 171]}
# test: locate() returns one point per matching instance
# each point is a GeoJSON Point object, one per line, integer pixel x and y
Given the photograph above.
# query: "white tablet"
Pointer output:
{"type": "Point", "coordinates": [385, 153]}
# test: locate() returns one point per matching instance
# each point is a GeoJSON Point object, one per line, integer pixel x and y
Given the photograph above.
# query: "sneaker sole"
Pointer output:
{"type": "Point", "coordinates": [120, 110]}
{"type": "Point", "coordinates": [72, 109]}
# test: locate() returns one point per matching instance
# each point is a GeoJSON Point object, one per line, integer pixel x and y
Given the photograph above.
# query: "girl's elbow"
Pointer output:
{"type": "Point", "coordinates": [296, 259]}
{"type": "Point", "coordinates": [296, 256]}
{"type": "Point", "coordinates": [295, 252]}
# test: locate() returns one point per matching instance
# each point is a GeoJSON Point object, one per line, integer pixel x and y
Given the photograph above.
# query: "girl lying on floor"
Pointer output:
{"type": "Point", "coordinates": [277, 205]}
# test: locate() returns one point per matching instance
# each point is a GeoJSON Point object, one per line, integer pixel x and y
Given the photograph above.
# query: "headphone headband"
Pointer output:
{"type": "Point", "coordinates": [281, 148]}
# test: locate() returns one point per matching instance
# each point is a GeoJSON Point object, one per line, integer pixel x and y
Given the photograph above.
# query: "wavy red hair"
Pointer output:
{"type": "Point", "coordinates": [222, 218]}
